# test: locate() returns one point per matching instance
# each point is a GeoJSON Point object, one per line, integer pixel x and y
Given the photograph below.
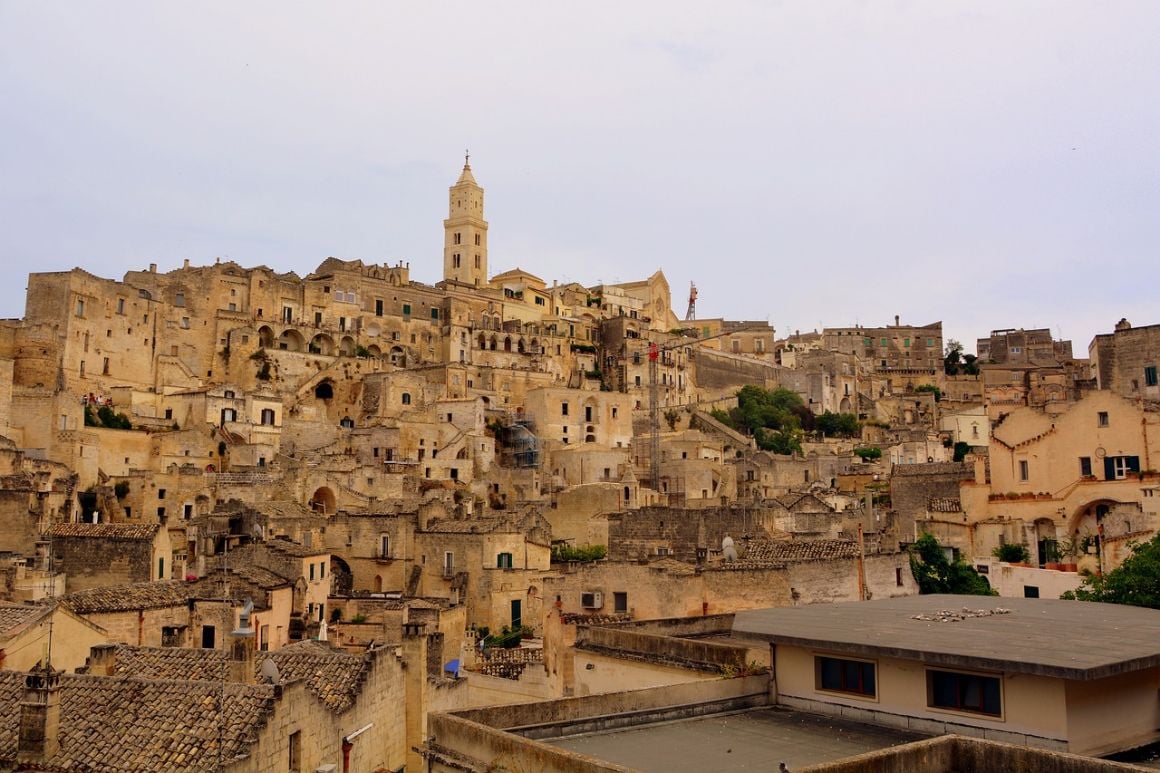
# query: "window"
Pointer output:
{"type": "Point", "coordinates": [179, 299]}
{"type": "Point", "coordinates": [171, 635]}
{"type": "Point", "coordinates": [208, 637]}
{"type": "Point", "coordinates": [503, 561]}
{"type": "Point", "coordinates": [563, 409]}
{"type": "Point", "coordinates": [1102, 418]}
{"type": "Point", "coordinates": [458, 238]}
{"type": "Point", "coordinates": [1024, 470]}
{"type": "Point", "coordinates": [187, 511]}
{"type": "Point", "coordinates": [406, 309]}
{"type": "Point", "coordinates": [295, 759]}
{"type": "Point", "coordinates": [1085, 465]}
{"type": "Point", "coordinates": [1150, 376]}
{"type": "Point", "coordinates": [105, 367]}
{"type": "Point", "coordinates": [1120, 467]}
{"type": "Point", "coordinates": [1030, 591]}
{"type": "Point", "coordinates": [185, 323]}
{"type": "Point", "coordinates": [406, 398]}
{"type": "Point", "coordinates": [975, 693]}
{"type": "Point", "coordinates": [312, 572]}
{"type": "Point", "coordinates": [120, 305]}
{"type": "Point", "coordinates": [268, 416]}
{"type": "Point", "coordinates": [477, 240]}
{"type": "Point", "coordinates": [856, 677]}
{"type": "Point", "coordinates": [434, 313]}
{"type": "Point", "coordinates": [620, 602]}
{"type": "Point", "coordinates": [378, 307]}
{"type": "Point", "coordinates": [384, 546]}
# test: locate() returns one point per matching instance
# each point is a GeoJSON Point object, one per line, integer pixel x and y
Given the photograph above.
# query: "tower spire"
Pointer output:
{"type": "Point", "coordinates": [465, 231]}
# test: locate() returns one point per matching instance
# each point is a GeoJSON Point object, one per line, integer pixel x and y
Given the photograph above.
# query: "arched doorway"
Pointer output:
{"type": "Point", "coordinates": [266, 337]}
{"type": "Point", "coordinates": [291, 341]}
{"type": "Point", "coordinates": [324, 390]}
{"type": "Point", "coordinates": [342, 578]}
{"type": "Point", "coordinates": [323, 501]}
{"type": "Point", "coordinates": [322, 344]}
{"type": "Point", "coordinates": [347, 347]}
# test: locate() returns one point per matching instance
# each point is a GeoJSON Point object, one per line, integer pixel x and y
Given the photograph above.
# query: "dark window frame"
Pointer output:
{"type": "Point", "coordinates": [847, 676]}
{"type": "Point", "coordinates": [965, 692]}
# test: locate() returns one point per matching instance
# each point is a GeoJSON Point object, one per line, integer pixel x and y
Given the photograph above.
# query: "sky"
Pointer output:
{"type": "Point", "coordinates": [987, 164]}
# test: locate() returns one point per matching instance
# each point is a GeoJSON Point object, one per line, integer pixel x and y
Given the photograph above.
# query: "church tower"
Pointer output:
{"type": "Point", "coordinates": [465, 232]}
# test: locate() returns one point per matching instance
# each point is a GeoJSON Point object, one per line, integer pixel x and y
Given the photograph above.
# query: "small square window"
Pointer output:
{"type": "Point", "coordinates": [1102, 418]}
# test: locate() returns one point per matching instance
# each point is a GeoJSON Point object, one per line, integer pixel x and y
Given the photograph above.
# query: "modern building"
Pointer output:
{"type": "Point", "coordinates": [1063, 675]}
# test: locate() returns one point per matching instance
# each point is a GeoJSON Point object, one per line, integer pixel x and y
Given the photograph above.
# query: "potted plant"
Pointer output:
{"type": "Point", "coordinates": [1067, 547]}
{"type": "Point", "coordinates": [1012, 553]}
{"type": "Point", "coordinates": [1051, 555]}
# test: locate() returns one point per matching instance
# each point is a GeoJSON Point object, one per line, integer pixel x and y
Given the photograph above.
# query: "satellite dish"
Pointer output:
{"type": "Point", "coordinates": [269, 671]}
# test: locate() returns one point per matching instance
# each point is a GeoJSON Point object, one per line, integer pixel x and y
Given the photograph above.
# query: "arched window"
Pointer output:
{"type": "Point", "coordinates": [406, 398]}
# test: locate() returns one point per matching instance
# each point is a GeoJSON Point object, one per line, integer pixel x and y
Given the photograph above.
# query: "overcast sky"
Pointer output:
{"type": "Point", "coordinates": [989, 164]}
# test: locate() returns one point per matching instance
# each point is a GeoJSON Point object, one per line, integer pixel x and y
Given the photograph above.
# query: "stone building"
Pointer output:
{"type": "Point", "coordinates": [1022, 347]}
{"type": "Point", "coordinates": [94, 555]}
{"type": "Point", "coordinates": [1126, 360]}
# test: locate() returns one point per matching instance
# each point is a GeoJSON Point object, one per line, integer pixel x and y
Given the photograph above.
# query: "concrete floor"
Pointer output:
{"type": "Point", "coordinates": [753, 740]}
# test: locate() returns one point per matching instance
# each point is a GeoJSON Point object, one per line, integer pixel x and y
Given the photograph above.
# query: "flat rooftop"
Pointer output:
{"type": "Point", "coordinates": [1067, 639]}
{"type": "Point", "coordinates": [757, 739]}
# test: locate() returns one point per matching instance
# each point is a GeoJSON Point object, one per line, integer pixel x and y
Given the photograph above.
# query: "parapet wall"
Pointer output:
{"type": "Point", "coordinates": [957, 754]}
{"type": "Point", "coordinates": [661, 648]}
{"type": "Point", "coordinates": [487, 736]}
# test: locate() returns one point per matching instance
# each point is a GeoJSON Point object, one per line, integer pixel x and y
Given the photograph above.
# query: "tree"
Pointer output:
{"type": "Point", "coordinates": [961, 450]}
{"type": "Point", "coordinates": [782, 441]}
{"type": "Point", "coordinates": [1135, 582]}
{"type": "Point", "coordinates": [955, 362]}
{"type": "Point", "coordinates": [930, 388]}
{"type": "Point", "coordinates": [935, 573]}
{"type": "Point", "coordinates": [838, 425]}
{"type": "Point", "coordinates": [869, 453]}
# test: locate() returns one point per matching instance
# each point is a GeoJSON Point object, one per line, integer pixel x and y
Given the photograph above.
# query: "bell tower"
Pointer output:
{"type": "Point", "coordinates": [465, 232]}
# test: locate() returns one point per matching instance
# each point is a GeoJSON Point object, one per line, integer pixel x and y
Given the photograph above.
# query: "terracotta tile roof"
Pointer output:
{"type": "Point", "coordinates": [944, 505]}
{"type": "Point", "coordinates": [333, 676]}
{"type": "Point", "coordinates": [471, 526]}
{"type": "Point", "coordinates": [139, 726]}
{"type": "Point", "coordinates": [673, 567]}
{"type": "Point", "coordinates": [114, 531]}
{"type": "Point", "coordinates": [783, 551]}
{"type": "Point", "coordinates": [294, 549]}
{"type": "Point", "coordinates": [243, 580]}
{"type": "Point", "coordinates": [138, 595]}
{"type": "Point", "coordinates": [14, 617]}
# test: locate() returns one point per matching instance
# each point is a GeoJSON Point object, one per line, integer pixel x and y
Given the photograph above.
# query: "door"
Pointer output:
{"type": "Point", "coordinates": [516, 617]}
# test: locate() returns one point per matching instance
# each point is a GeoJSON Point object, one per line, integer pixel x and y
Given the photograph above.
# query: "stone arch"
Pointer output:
{"type": "Point", "coordinates": [322, 344]}
{"type": "Point", "coordinates": [507, 343]}
{"type": "Point", "coordinates": [462, 454]}
{"type": "Point", "coordinates": [535, 346]}
{"type": "Point", "coordinates": [291, 341]}
{"type": "Point", "coordinates": [520, 347]}
{"type": "Point", "coordinates": [346, 346]}
{"type": "Point", "coordinates": [589, 438]}
{"type": "Point", "coordinates": [398, 356]}
{"type": "Point", "coordinates": [374, 350]}
{"type": "Point", "coordinates": [482, 341]}
{"type": "Point", "coordinates": [266, 337]}
{"type": "Point", "coordinates": [323, 501]}
{"type": "Point", "coordinates": [493, 342]}
{"type": "Point", "coordinates": [342, 578]}
{"type": "Point", "coordinates": [845, 406]}
{"type": "Point", "coordinates": [324, 390]}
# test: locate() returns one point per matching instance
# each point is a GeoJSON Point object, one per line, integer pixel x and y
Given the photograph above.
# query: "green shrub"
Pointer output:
{"type": "Point", "coordinates": [1012, 553]}
{"type": "Point", "coordinates": [562, 553]}
{"type": "Point", "coordinates": [868, 453]}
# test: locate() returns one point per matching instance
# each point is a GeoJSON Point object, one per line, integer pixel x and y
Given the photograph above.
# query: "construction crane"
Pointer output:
{"type": "Point", "coordinates": [691, 314]}
{"type": "Point", "coordinates": [654, 412]}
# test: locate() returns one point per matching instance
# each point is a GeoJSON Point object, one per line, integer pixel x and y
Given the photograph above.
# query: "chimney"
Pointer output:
{"type": "Point", "coordinates": [185, 263]}
{"type": "Point", "coordinates": [415, 687]}
{"type": "Point", "coordinates": [896, 320]}
{"type": "Point", "coordinates": [152, 268]}
{"type": "Point", "coordinates": [102, 660]}
{"type": "Point", "coordinates": [242, 648]}
{"type": "Point", "coordinates": [1123, 324]}
{"type": "Point", "coordinates": [40, 714]}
